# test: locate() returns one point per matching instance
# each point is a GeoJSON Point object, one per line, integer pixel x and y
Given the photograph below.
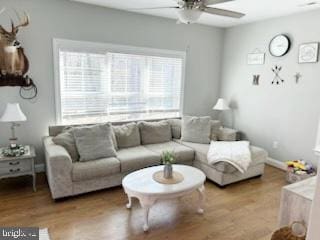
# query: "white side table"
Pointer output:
{"type": "Point", "coordinates": [141, 185]}
{"type": "Point", "coordinates": [19, 166]}
{"type": "Point", "coordinates": [296, 200]}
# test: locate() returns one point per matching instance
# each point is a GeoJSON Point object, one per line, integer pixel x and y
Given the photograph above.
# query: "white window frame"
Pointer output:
{"type": "Point", "coordinates": [86, 46]}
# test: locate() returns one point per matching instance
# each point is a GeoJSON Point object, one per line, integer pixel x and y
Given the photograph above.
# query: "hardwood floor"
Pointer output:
{"type": "Point", "coordinates": [242, 211]}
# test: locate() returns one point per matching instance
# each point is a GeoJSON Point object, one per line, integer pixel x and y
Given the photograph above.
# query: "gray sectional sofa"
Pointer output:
{"type": "Point", "coordinates": [67, 177]}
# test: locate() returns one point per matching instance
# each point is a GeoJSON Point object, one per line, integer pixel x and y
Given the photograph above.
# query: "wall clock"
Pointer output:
{"type": "Point", "coordinates": [279, 45]}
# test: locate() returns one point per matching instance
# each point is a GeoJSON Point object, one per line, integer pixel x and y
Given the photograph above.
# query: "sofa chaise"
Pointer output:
{"type": "Point", "coordinates": [67, 177]}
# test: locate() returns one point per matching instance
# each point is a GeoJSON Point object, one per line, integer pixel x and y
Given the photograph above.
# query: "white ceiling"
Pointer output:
{"type": "Point", "coordinates": [255, 10]}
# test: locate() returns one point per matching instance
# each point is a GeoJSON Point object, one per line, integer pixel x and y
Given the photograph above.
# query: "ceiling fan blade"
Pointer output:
{"type": "Point", "coordinates": [224, 13]}
{"type": "Point", "coordinates": [212, 2]}
{"type": "Point", "coordinates": [153, 8]}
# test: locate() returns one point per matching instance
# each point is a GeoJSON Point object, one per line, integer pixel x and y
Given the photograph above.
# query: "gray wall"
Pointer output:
{"type": "Point", "coordinates": [63, 19]}
{"type": "Point", "coordinates": [288, 113]}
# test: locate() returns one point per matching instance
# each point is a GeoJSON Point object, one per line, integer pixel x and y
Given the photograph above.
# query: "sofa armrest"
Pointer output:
{"type": "Point", "coordinates": [58, 169]}
{"type": "Point", "coordinates": [228, 134]}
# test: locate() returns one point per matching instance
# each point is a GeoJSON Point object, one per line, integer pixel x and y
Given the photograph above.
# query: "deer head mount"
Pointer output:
{"type": "Point", "coordinates": [14, 64]}
{"type": "Point", "coordinates": [12, 58]}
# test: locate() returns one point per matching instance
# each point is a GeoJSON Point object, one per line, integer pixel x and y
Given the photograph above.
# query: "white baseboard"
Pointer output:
{"type": "Point", "coordinates": [40, 168]}
{"type": "Point", "coordinates": [276, 163]}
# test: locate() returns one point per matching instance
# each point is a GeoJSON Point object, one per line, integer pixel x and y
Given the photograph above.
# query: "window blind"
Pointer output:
{"type": "Point", "coordinates": [112, 86]}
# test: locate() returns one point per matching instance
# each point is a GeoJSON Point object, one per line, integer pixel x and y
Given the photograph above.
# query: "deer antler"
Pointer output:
{"type": "Point", "coordinates": [24, 22]}
{"type": "Point", "coordinates": [2, 30]}
{"type": "Point", "coordinates": [2, 10]}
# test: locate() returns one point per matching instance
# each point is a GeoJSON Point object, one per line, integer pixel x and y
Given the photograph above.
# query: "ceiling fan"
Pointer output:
{"type": "Point", "coordinates": [189, 11]}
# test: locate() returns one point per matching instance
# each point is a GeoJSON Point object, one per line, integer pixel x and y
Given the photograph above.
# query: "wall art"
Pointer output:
{"type": "Point", "coordinates": [309, 52]}
{"type": "Point", "coordinates": [256, 79]}
{"type": "Point", "coordinates": [277, 78]}
{"type": "Point", "coordinates": [297, 77]}
{"type": "Point", "coordinates": [256, 58]}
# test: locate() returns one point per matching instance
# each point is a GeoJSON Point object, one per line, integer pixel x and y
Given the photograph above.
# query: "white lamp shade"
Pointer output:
{"type": "Point", "coordinates": [221, 105]}
{"type": "Point", "coordinates": [188, 15]}
{"type": "Point", "coordinates": [13, 113]}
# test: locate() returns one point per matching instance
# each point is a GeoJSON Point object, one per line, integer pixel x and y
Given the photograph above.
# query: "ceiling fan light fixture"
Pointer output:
{"type": "Point", "coordinates": [309, 4]}
{"type": "Point", "coordinates": [188, 15]}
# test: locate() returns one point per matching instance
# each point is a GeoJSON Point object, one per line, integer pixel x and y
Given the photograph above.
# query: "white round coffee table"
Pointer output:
{"type": "Point", "coordinates": [141, 185]}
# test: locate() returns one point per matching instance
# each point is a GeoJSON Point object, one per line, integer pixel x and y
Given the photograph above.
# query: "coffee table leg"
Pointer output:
{"type": "Point", "coordinates": [146, 218]}
{"type": "Point", "coordinates": [146, 204]}
{"type": "Point", "coordinates": [129, 204]}
{"type": "Point", "coordinates": [201, 199]}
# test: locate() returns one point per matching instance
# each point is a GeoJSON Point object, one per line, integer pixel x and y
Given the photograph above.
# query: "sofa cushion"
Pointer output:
{"type": "Point", "coordinates": [200, 149]}
{"type": "Point", "coordinates": [127, 135]}
{"type": "Point", "coordinates": [175, 128]}
{"type": "Point", "coordinates": [196, 129]}
{"type": "Point", "coordinates": [155, 132]}
{"type": "Point", "coordinates": [114, 140]}
{"type": "Point", "coordinates": [66, 140]}
{"type": "Point", "coordinates": [56, 130]}
{"type": "Point", "coordinates": [258, 156]}
{"type": "Point", "coordinates": [135, 158]}
{"type": "Point", "coordinates": [215, 129]}
{"type": "Point", "coordinates": [182, 153]}
{"type": "Point", "coordinates": [94, 142]}
{"type": "Point", "coordinates": [83, 171]}
{"type": "Point", "coordinates": [227, 134]}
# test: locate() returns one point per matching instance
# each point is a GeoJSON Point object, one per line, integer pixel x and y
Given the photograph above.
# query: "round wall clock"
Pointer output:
{"type": "Point", "coordinates": [279, 45]}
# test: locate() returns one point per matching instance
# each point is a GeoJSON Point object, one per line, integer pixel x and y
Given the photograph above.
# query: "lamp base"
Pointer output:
{"type": "Point", "coordinates": [13, 140]}
{"type": "Point", "coordinates": [13, 143]}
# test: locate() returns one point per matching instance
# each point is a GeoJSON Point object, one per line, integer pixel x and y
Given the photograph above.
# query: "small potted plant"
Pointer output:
{"type": "Point", "coordinates": [168, 158]}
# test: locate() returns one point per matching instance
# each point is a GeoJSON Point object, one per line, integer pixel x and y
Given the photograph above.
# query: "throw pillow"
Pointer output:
{"type": "Point", "coordinates": [127, 135]}
{"type": "Point", "coordinates": [155, 132]}
{"type": "Point", "coordinates": [175, 128]}
{"type": "Point", "coordinates": [196, 129]}
{"type": "Point", "coordinates": [114, 140]}
{"type": "Point", "coordinates": [227, 134]}
{"type": "Point", "coordinates": [94, 142]}
{"type": "Point", "coordinates": [66, 140]}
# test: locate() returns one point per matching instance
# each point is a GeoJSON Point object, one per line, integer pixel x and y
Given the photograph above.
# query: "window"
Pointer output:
{"type": "Point", "coordinates": [102, 82]}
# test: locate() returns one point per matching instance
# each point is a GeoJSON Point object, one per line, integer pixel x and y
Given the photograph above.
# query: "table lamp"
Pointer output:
{"type": "Point", "coordinates": [221, 105]}
{"type": "Point", "coordinates": [13, 114]}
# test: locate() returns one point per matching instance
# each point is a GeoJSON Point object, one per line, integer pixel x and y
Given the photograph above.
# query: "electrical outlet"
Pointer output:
{"type": "Point", "coordinates": [275, 144]}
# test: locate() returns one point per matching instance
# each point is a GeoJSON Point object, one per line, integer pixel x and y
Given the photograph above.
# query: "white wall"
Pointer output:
{"type": "Point", "coordinates": [64, 19]}
{"type": "Point", "coordinates": [287, 113]}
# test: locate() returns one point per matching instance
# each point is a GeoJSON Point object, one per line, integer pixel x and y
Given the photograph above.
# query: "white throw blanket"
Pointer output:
{"type": "Point", "coordinates": [236, 153]}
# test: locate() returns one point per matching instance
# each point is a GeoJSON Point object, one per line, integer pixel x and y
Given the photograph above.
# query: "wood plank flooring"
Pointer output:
{"type": "Point", "coordinates": [242, 211]}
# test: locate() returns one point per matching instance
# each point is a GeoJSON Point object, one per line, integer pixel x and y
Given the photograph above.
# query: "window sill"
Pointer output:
{"type": "Point", "coordinates": [120, 122]}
